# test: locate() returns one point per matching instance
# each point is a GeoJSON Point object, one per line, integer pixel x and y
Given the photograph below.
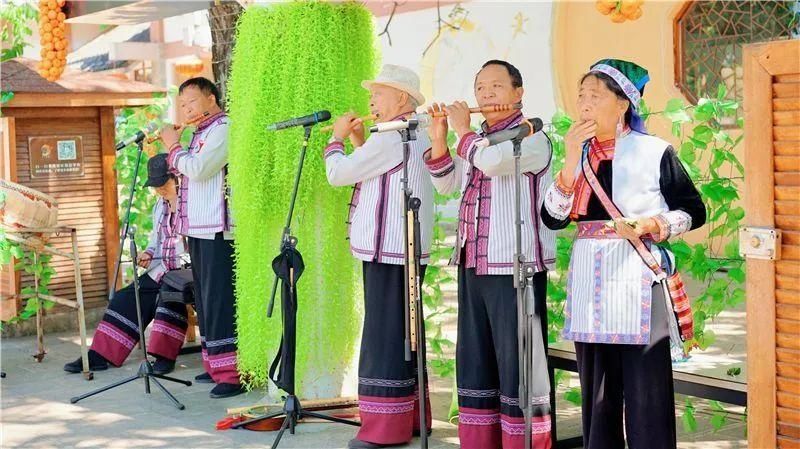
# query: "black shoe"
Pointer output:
{"type": "Point", "coordinates": [226, 390]}
{"type": "Point", "coordinates": [163, 366]}
{"type": "Point", "coordinates": [204, 378]}
{"type": "Point", "coordinates": [96, 363]}
{"type": "Point", "coordinates": [416, 432]}
{"type": "Point", "coordinates": [355, 443]}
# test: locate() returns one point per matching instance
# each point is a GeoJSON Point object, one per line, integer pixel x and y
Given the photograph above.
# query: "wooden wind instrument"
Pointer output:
{"type": "Point", "coordinates": [478, 110]}
{"type": "Point", "coordinates": [157, 135]}
{"type": "Point", "coordinates": [366, 118]}
{"type": "Point", "coordinates": [413, 293]}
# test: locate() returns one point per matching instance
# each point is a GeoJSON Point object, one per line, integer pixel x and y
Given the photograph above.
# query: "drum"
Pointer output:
{"type": "Point", "coordinates": [22, 206]}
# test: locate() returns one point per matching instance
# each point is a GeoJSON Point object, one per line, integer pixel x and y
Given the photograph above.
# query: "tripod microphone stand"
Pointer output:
{"type": "Point", "coordinates": [288, 267]}
{"type": "Point", "coordinates": [146, 368]}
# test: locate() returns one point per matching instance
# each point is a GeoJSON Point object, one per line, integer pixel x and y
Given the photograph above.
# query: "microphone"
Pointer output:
{"type": "Point", "coordinates": [527, 127]}
{"type": "Point", "coordinates": [419, 122]}
{"type": "Point", "coordinates": [139, 136]}
{"type": "Point", "coordinates": [308, 120]}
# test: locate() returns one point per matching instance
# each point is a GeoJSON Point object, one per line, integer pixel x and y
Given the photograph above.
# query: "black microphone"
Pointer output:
{"type": "Point", "coordinates": [139, 136]}
{"type": "Point", "coordinates": [312, 119]}
{"type": "Point", "coordinates": [527, 127]}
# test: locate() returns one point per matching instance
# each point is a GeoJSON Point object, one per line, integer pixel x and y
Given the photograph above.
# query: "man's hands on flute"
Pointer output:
{"type": "Point", "coordinates": [349, 125]}
{"type": "Point", "coordinates": [459, 116]}
{"type": "Point", "coordinates": [170, 135]}
{"type": "Point", "coordinates": [438, 131]}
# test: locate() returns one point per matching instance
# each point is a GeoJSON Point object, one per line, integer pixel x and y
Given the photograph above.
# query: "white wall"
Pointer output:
{"type": "Point", "coordinates": [490, 31]}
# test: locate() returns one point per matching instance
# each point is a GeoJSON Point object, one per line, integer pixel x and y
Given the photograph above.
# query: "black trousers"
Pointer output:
{"type": "Point", "coordinates": [387, 383]}
{"type": "Point", "coordinates": [487, 363]}
{"type": "Point", "coordinates": [634, 380]}
{"type": "Point", "coordinates": [212, 269]}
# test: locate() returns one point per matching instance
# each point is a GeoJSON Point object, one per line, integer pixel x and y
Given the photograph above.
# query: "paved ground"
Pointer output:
{"type": "Point", "coordinates": [36, 413]}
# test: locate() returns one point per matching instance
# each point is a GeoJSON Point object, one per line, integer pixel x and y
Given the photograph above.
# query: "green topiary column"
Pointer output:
{"type": "Point", "coordinates": [290, 60]}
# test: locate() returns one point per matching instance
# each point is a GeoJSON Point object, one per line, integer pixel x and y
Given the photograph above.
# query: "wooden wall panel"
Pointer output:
{"type": "Point", "coordinates": [81, 200]}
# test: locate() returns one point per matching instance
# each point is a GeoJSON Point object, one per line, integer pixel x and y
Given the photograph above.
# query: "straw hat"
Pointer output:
{"type": "Point", "coordinates": [400, 78]}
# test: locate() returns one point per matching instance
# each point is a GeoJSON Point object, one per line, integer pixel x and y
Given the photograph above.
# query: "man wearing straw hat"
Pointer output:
{"type": "Point", "coordinates": [387, 386]}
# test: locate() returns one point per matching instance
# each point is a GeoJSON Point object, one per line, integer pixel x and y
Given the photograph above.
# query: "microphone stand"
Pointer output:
{"type": "Point", "coordinates": [287, 238]}
{"type": "Point", "coordinates": [293, 411]}
{"type": "Point", "coordinates": [145, 368]}
{"type": "Point", "coordinates": [523, 280]}
{"type": "Point", "coordinates": [527, 321]}
{"type": "Point", "coordinates": [127, 221]}
{"type": "Point", "coordinates": [414, 316]}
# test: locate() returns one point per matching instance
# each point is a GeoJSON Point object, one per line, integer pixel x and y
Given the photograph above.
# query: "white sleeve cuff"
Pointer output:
{"type": "Point", "coordinates": [679, 222]}
{"type": "Point", "coordinates": [558, 203]}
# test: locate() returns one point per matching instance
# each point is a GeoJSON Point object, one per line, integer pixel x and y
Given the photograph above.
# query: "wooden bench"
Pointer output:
{"type": "Point", "coordinates": [691, 378]}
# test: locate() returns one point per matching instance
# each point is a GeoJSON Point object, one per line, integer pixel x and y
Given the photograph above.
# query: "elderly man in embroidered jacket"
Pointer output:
{"type": "Point", "coordinates": [387, 386]}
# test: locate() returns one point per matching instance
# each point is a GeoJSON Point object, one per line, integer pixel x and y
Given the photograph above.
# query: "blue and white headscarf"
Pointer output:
{"type": "Point", "coordinates": [631, 78]}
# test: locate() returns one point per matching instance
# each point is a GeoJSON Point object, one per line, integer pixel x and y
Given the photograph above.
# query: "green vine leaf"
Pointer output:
{"type": "Point", "coordinates": [574, 396]}
{"type": "Point", "coordinates": [688, 419]}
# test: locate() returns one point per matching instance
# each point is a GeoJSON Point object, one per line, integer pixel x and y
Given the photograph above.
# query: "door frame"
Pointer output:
{"type": "Point", "coordinates": [761, 63]}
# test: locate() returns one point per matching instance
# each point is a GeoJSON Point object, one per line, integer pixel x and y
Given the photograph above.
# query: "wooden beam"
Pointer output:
{"type": "Point", "coordinates": [9, 301]}
{"type": "Point", "coordinates": [131, 12]}
{"type": "Point", "coordinates": [74, 99]}
{"type": "Point", "coordinates": [154, 51]}
{"type": "Point", "coordinates": [8, 151]}
{"type": "Point", "coordinates": [110, 202]}
{"type": "Point", "coordinates": [24, 113]}
{"type": "Point", "coordinates": [780, 57]}
{"type": "Point", "coordinates": [173, 50]}
{"type": "Point", "coordinates": [677, 43]}
{"type": "Point", "coordinates": [759, 203]}
{"type": "Point", "coordinates": [143, 51]}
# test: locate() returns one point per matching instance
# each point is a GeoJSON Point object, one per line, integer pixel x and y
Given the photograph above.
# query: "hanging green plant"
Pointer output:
{"type": "Point", "coordinates": [290, 60]}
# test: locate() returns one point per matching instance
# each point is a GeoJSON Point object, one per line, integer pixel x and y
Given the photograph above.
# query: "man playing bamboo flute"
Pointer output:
{"type": "Point", "coordinates": [486, 353]}
{"type": "Point", "coordinates": [387, 385]}
{"type": "Point", "coordinates": [204, 217]}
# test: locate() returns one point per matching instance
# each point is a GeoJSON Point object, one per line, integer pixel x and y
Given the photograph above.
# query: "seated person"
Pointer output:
{"type": "Point", "coordinates": [118, 332]}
